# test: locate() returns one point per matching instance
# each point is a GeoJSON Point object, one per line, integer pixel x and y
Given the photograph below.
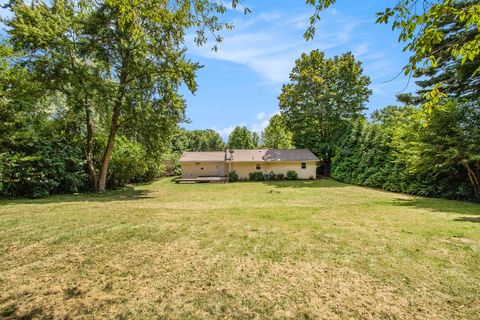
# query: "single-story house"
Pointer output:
{"type": "Point", "coordinates": [243, 162]}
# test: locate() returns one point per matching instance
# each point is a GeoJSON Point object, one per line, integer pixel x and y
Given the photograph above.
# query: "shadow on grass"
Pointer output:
{"type": "Point", "coordinates": [441, 205]}
{"type": "Point", "coordinates": [468, 219]}
{"type": "Point", "coordinates": [125, 194]}
{"type": "Point", "coordinates": [320, 183]}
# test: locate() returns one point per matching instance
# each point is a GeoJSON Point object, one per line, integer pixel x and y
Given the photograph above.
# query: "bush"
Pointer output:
{"type": "Point", "coordinates": [271, 176]}
{"type": "Point", "coordinates": [279, 177]}
{"type": "Point", "coordinates": [292, 175]}
{"type": "Point", "coordinates": [131, 164]}
{"type": "Point", "coordinates": [256, 176]}
{"type": "Point", "coordinates": [232, 176]}
{"type": "Point", "coordinates": [50, 164]}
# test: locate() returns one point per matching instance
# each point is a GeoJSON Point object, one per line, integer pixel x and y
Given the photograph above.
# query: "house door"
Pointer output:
{"type": "Point", "coordinates": [221, 169]}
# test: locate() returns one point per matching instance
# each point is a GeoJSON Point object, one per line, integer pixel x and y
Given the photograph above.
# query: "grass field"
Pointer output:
{"type": "Point", "coordinates": [286, 250]}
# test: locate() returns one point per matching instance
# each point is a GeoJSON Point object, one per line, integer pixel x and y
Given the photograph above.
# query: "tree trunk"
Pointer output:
{"type": "Point", "coordinates": [474, 178]}
{"type": "Point", "coordinates": [89, 148]}
{"type": "Point", "coordinates": [102, 179]}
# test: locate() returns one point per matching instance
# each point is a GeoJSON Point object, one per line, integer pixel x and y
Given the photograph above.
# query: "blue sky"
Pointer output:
{"type": "Point", "coordinates": [240, 83]}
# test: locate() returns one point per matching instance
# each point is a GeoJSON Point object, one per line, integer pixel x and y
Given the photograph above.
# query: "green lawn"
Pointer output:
{"type": "Point", "coordinates": [286, 250]}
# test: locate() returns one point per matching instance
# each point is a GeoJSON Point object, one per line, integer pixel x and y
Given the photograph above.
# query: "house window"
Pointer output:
{"type": "Point", "coordinates": [258, 166]}
{"type": "Point", "coordinates": [304, 165]}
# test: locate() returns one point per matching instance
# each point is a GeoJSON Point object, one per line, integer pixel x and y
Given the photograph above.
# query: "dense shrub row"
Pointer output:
{"type": "Point", "coordinates": [399, 154]}
{"type": "Point", "coordinates": [260, 176]}
{"type": "Point", "coordinates": [51, 163]}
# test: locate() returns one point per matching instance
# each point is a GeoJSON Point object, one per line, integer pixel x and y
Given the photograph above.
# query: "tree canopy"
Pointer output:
{"type": "Point", "coordinates": [205, 140]}
{"type": "Point", "coordinates": [241, 138]}
{"type": "Point", "coordinates": [322, 95]}
{"type": "Point", "coordinates": [118, 64]}
{"type": "Point", "coordinates": [421, 26]}
{"type": "Point", "coordinates": [276, 135]}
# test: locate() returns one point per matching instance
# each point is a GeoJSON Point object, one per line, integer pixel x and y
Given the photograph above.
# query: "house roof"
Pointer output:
{"type": "Point", "coordinates": [256, 155]}
{"type": "Point", "coordinates": [203, 156]}
{"type": "Point", "coordinates": [270, 155]}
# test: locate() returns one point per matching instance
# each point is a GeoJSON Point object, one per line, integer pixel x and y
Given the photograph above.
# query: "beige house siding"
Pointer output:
{"type": "Point", "coordinates": [243, 169]}
{"type": "Point", "coordinates": [200, 169]}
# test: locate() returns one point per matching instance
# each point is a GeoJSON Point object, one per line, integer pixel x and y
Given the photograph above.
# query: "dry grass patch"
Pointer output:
{"type": "Point", "coordinates": [313, 250]}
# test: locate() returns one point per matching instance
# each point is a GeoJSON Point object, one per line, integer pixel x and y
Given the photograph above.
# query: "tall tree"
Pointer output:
{"type": "Point", "coordinates": [321, 96]}
{"type": "Point", "coordinates": [458, 79]}
{"type": "Point", "coordinates": [256, 139]}
{"type": "Point", "coordinates": [205, 140]}
{"type": "Point", "coordinates": [276, 135]}
{"type": "Point", "coordinates": [421, 27]}
{"type": "Point", "coordinates": [120, 63]}
{"type": "Point", "coordinates": [241, 138]}
{"type": "Point", "coordinates": [450, 143]}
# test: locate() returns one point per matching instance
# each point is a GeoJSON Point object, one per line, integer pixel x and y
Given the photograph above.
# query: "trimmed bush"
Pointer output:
{"type": "Point", "coordinates": [271, 175]}
{"type": "Point", "coordinates": [256, 176]}
{"type": "Point", "coordinates": [292, 175]}
{"type": "Point", "coordinates": [232, 176]}
{"type": "Point", "coordinates": [279, 177]}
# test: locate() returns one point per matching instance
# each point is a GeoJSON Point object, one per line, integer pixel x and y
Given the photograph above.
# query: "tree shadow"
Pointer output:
{"type": "Point", "coordinates": [468, 219]}
{"type": "Point", "coordinates": [319, 183]}
{"type": "Point", "coordinates": [440, 205]}
{"type": "Point", "coordinates": [125, 194]}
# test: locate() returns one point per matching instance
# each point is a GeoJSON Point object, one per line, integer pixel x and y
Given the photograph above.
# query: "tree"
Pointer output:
{"type": "Point", "coordinates": [276, 135]}
{"type": "Point", "coordinates": [38, 153]}
{"type": "Point", "coordinates": [451, 144]}
{"type": "Point", "coordinates": [421, 28]}
{"type": "Point", "coordinates": [396, 152]}
{"type": "Point", "coordinates": [255, 139]}
{"type": "Point", "coordinates": [323, 94]}
{"type": "Point", "coordinates": [205, 140]}
{"type": "Point", "coordinates": [120, 63]}
{"type": "Point", "coordinates": [458, 79]}
{"type": "Point", "coordinates": [240, 138]}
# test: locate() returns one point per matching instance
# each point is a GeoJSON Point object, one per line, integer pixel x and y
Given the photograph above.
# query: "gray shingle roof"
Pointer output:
{"type": "Point", "coordinates": [215, 156]}
{"type": "Point", "coordinates": [271, 155]}
{"type": "Point", "coordinates": [256, 155]}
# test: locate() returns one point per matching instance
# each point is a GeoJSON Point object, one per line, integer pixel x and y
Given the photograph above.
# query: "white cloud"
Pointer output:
{"type": "Point", "coordinates": [225, 132]}
{"type": "Point", "coordinates": [261, 116]}
{"type": "Point", "coordinates": [360, 50]}
{"type": "Point", "coordinates": [258, 127]}
{"type": "Point", "coordinates": [270, 43]}
{"type": "Point", "coordinates": [261, 121]}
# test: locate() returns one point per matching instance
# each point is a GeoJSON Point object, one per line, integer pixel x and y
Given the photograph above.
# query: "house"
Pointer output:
{"type": "Point", "coordinates": [218, 164]}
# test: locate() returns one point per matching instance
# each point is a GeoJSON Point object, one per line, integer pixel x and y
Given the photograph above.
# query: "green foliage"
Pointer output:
{"type": "Point", "coordinates": [255, 176]}
{"type": "Point", "coordinates": [233, 176]}
{"type": "Point", "coordinates": [41, 161]}
{"type": "Point", "coordinates": [131, 164]}
{"type": "Point", "coordinates": [205, 140]}
{"type": "Point", "coordinates": [241, 138]}
{"type": "Point", "coordinates": [255, 139]}
{"type": "Point", "coordinates": [119, 63]}
{"type": "Point", "coordinates": [458, 78]}
{"type": "Point", "coordinates": [271, 175]}
{"type": "Point", "coordinates": [397, 153]}
{"type": "Point", "coordinates": [436, 33]}
{"type": "Point", "coordinates": [291, 175]}
{"type": "Point", "coordinates": [323, 94]}
{"type": "Point", "coordinates": [276, 135]}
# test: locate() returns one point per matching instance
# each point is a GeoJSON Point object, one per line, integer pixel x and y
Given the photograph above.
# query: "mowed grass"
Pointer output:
{"type": "Point", "coordinates": [286, 250]}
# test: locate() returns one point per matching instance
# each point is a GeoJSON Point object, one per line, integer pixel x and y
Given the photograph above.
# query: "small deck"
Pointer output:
{"type": "Point", "coordinates": [202, 180]}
